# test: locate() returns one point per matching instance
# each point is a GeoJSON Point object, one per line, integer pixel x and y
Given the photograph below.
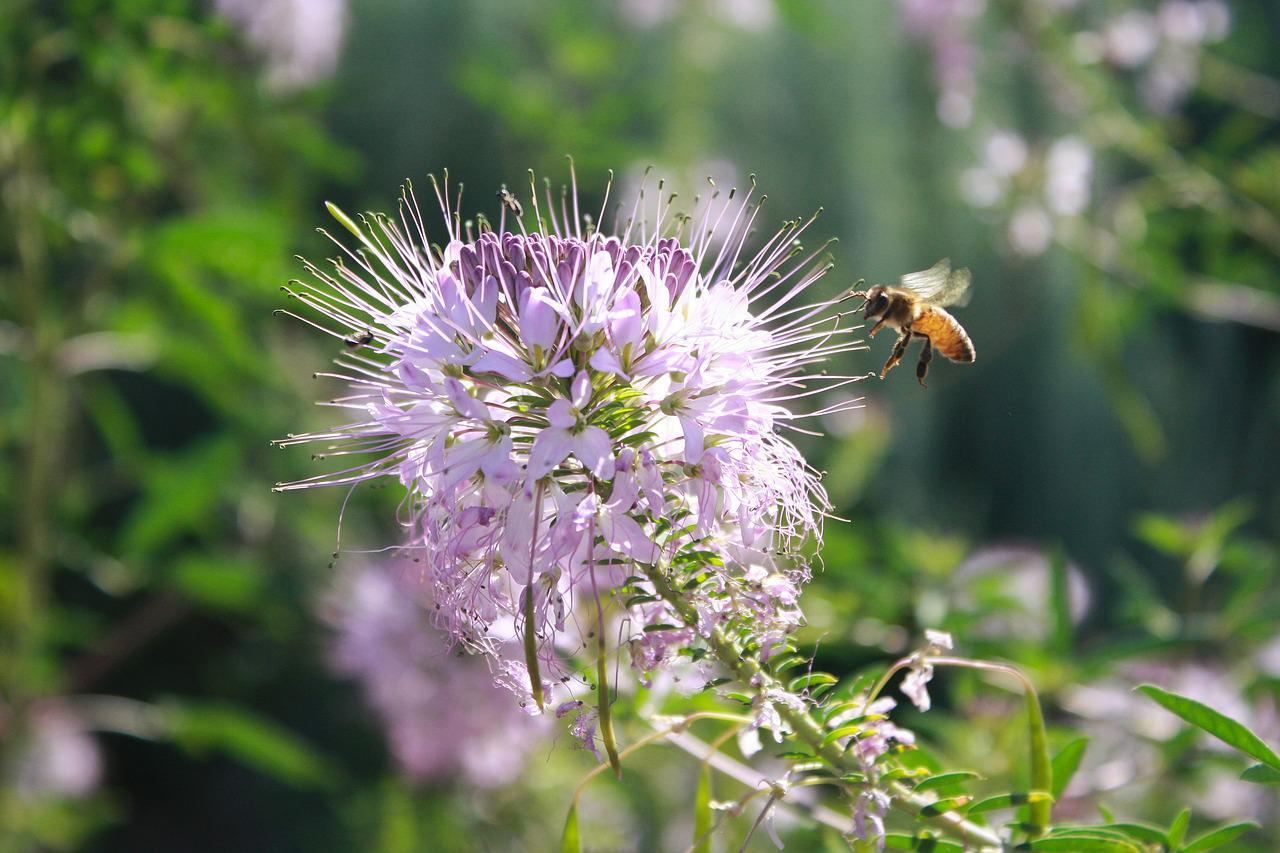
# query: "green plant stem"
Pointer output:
{"type": "Point", "coordinates": [749, 671]}
{"type": "Point", "coordinates": [530, 612]}
{"type": "Point", "coordinates": [603, 700]}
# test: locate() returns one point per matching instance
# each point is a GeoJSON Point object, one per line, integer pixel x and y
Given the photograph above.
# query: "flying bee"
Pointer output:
{"type": "Point", "coordinates": [510, 202]}
{"type": "Point", "coordinates": [916, 308]}
{"type": "Point", "coordinates": [359, 339]}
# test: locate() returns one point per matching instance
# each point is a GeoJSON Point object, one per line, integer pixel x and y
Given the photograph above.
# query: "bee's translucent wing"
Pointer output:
{"type": "Point", "coordinates": [940, 284]}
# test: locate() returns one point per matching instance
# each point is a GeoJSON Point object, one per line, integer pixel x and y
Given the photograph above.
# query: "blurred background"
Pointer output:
{"type": "Point", "coordinates": [183, 667]}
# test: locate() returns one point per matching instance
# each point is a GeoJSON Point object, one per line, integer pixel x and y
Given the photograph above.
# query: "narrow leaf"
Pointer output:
{"type": "Point", "coordinates": [1142, 832]}
{"type": "Point", "coordinates": [811, 680]}
{"type": "Point", "coordinates": [943, 806]}
{"type": "Point", "coordinates": [1005, 801]}
{"type": "Point", "coordinates": [1066, 763]}
{"type": "Point", "coordinates": [942, 780]}
{"type": "Point", "coordinates": [1085, 844]}
{"type": "Point", "coordinates": [571, 840]}
{"type": "Point", "coordinates": [1216, 723]}
{"type": "Point", "coordinates": [1178, 829]}
{"type": "Point", "coordinates": [843, 731]}
{"type": "Point", "coordinates": [923, 843]}
{"type": "Point", "coordinates": [1220, 836]}
{"type": "Point", "coordinates": [1262, 775]}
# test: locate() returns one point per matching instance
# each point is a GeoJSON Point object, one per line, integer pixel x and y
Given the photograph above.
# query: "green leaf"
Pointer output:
{"type": "Point", "coordinates": [1220, 836]}
{"type": "Point", "coordinates": [942, 780]}
{"type": "Point", "coordinates": [702, 821]}
{"type": "Point", "coordinates": [571, 838]}
{"type": "Point", "coordinates": [813, 679]}
{"type": "Point", "coordinates": [220, 582]}
{"type": "Point", "coordinates": [251, 740]}
{"type": "Point", "coordinates": [1141, 831]}
{"type": "Point", "coordinates": [923, 843]}
{"type": "Point", "coordinates": [1216, 723]}
{"type": "Point", "coordinates": [943, 806]}
{"type": "Point", "coordinates": [1178, 829]}
{"type": "Point", "coordinates": [1066, 763]}
{"type": "Point", "coordinates": [1084, 844]}
{"type": "Point", "coordinates": [1005, 801]}
{"type": "Point", "coordinates": [836, 734]}
{"type": "Point", "coordinates": [1261, 774]}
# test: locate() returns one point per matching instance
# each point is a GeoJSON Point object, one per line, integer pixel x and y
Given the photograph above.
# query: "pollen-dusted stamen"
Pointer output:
{"type": "Point", "coordinates": [572, 409]}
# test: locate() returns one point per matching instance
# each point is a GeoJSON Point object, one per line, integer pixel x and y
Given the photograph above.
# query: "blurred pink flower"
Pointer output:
{"type": "Point", "coordinates": [441, 715]}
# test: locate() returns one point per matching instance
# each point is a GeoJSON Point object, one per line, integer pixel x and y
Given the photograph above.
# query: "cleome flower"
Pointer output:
{"type": "Point", "coordinates": [586, 421]}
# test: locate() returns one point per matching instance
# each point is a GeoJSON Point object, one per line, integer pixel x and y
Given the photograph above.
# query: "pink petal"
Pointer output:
{"type": "Point", "coordinates": [625, 534]}
{"type": "Point", "coordinates": [503, 365]}
{"type": "Point", "coordinates": [467, 406]}
{"type": "Point", "coordinates": [539, 323]}
{"type": "Point", "coordinates": [561, 414]}
{"type": "Point", "coordinates": [581, 389]}
{"type": "Point", "coordinates": [549, 449]}
{"type": "Point", "coordinates": [605, 361]}
{"type": "Point", "coordinates": [694, 441]}
{"type": "Point", "coordinates": [594, 450]}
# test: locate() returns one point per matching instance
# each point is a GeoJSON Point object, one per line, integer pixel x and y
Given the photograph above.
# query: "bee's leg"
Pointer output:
{"type": "Point", "coordinates": [899, 350]}
{"type": "Point", "coordinates": [877, 327]}
{"type": "Point", "coordinates": [922, 367]}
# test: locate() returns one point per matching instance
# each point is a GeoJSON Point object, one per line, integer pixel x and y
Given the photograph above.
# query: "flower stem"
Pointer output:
{"type": "Point", "coordinates": [530, 611]}
{"type": "Point", "coordinates": [604, 700]}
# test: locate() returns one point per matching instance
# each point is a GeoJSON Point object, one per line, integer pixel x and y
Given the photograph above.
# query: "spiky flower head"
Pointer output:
{"type": "Point", "coordinates": [582, 415]}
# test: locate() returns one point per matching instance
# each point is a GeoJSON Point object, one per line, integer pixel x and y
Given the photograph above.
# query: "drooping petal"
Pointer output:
{"type": "Point", "coordinates": [623, 533]}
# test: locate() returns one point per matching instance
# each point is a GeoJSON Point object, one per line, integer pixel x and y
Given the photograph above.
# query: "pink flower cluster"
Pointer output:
{"type": "Point", "coordinates": [575, 412]}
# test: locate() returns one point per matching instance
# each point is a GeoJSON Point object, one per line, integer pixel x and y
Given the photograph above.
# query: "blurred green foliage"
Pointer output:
{"type": "Point", "coordinates": [1094, 500]}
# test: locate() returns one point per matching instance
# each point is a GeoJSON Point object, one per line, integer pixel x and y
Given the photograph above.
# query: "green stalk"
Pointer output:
{"type": "Point", "coordinates": [530, 611]}
{"type": "Point", "coordinates": [602, 666]}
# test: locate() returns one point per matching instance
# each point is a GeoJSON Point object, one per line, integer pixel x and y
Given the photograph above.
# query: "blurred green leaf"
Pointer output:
{"type": "Point", "coordinates": [1261, 774]}
{"type": "Point", "coordinates": [1219, 837]}
{"type": "Point", "coordinates": [1066, 763]}
{"type": "Point", "coordinates": [571, 838]}
{"type": "Point", "coordinates": [248, 738]}
{"type": "Point", "coordinates": [220, 582]}
{"type": "Point", "coordinates": [1225, 729]}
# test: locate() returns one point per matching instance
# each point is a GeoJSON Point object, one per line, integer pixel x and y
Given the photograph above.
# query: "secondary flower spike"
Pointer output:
{"type": "Point", "coordinates": [582, 416]}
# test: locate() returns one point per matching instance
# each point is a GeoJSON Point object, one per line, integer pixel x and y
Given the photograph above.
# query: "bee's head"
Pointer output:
{"type": "Point", "coordinates": [877, 302]}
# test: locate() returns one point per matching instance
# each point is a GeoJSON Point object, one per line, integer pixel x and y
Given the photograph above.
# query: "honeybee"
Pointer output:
{"type": "Point", "coordinates": [916, 307]}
